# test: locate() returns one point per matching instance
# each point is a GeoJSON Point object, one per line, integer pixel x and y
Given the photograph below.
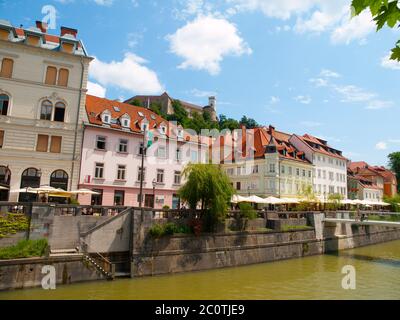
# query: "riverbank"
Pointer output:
{"type": "Point", "coordinates": [317, 277]}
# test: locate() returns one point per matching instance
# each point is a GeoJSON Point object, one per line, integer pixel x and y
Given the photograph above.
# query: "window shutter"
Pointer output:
{"type": "Point", "coordinates": [7, 68]}
{"type": "Point", "coordinates": [51, 75]}
{"type": "Point", "coordinates": [63, 78]}
{"type": "Point", "coordinates": [1, 138]}
{"type": "Point", "coordinates": [55, 144]}
{"type": "Point", "coordinates": [42, 143]}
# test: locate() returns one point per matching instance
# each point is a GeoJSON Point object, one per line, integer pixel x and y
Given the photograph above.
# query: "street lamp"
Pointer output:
{"type": "Point", "coordinates": [154, 193]}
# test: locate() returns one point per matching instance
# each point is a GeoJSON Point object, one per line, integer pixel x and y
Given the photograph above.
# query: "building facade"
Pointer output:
{"type": "Point", "coordinates": [330, 167]}
{"type": "Point", "coordinates": [362, 189]}
{"type": "Point", "coordinates": [42, 97]}
{"type": "Point", "coordinates": [266, 164]}
{"type": "Point", "coordinates": [112, 154]}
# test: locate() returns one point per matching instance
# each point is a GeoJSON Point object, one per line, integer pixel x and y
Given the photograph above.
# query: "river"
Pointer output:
{"type": "Point", "coordinates": [319, 277]}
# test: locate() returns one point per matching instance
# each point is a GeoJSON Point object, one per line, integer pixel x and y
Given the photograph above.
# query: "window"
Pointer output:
{"type": "Point", "coordinates": [99, 171]}
{"type": "Point", "coordinates": [59, 112]}
{"type": "Point", "coordinates": [309, 174]}
{"type": "Point", "coordinates": [97, 199]}
{"type": "Point", "coordinates": [319, 173]}
{"type": "Point", "coordinates": [101, 143]}
{"type": "Point", "coordinates": [123, 146]}
{"type": "Point", "coordinates": [283, 170]}
{"type": "Point", "coordinates": [162, 152]}
{"type": "Point", "coordinates": [238, 186]}
{"type": "Point", "coordinates": [331, 176]}
{"type": "Point", "coordinates": [46, 110]}
{"type": "Point", "coordinates": [304, 173]}
{"type": "Point", "coordinates": [42, 143]}
{"type": "Point", "coordinates": [255, 169]}
{"type": "Point", "coordinates": [55, 145]}
{"type": "Point", "coordinates": [1, 138]}
{"type": "Point", "coordinates": [298, 172]}
{"type": "Point", "coordinates": [121, 173]}
{"type": "Point", "coordinates": [140, 174]}
{"type": "Point", "coordinates": [160, 176]}
{"type": "Point", "coordinates": [7, 66]}
{"type": "Point", "coordinates": [4, 103]}
{"type": "Point", "coordinates": [142, 149]}
{"type": "Point", "coordinates": [178, 154]}
{"type": "Point", "coordinates": [177, 177]}
{"type": "Point", "coordinates": [125, 123]}
{"type": "Point", "coordinates": [272, 168]}
{"type": "Point", "coordinates": [324, 174]}
{"type": "Point", "coordinates": [193, 156]}
{"type": "Point", "coordinates": [63, 78]}
{"type": "Point", "coordinates": [59, 180]}
{"type": "Point", "coordinates": [119, 198]}
{"type": "Point", "coordinates": [51, 76]}
{"type": "Point", "coordinates": [290, 170]}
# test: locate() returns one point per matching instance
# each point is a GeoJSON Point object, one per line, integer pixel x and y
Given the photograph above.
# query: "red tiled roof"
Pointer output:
{"type": "Point", "coordinates": [49, 37]}
{"type": "Point", "coordinates": [322, 148]}
{"type": "Point", "coordinates": [95, 106]}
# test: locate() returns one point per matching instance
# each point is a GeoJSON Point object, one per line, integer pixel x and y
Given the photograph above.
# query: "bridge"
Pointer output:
{"type": "Point", "coordinates": [345, 218]}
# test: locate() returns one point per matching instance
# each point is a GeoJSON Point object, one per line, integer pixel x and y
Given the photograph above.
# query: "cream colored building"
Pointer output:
{"type": "Point", "coordinates": [271, 166]}
{"type": "Point", "coordinates": [43, 82]}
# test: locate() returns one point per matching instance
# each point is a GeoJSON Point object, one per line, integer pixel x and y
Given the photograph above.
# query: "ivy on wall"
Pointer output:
{"type": "Point", "coordinates": [11, 223]}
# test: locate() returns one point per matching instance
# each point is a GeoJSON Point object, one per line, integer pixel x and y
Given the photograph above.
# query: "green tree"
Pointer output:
{"type": "Point", "coordinates": [249, 123]}
{"type": "Point", "coordinates": [156, 107]}
{"type": "Point", "coordinates": [228, 123]}
{"type": "Point", "coordinates": [334, 201]}
{"type": "Point", "coordinates": [180, 115]}
{"type": "Point", "coordinates": [394, 163]}
{"type": "Point", "coordinates": [209, 186]}
{"type": "Point", "coordinates": [308, 198]}
{"type": "Point", "coordinates": [136, 102]}
{"type": "Point", "coordinates": [385, 12]}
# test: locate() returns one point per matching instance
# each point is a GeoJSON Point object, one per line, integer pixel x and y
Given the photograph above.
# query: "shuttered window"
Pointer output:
{"type": "Point", "coordinates": [1, 138]}
{"type": "Point", "coordinates": [42, 143]}
{"type": "Point", "coordinates": [51, 76]}
{"type": "Point", "coordinates": [63, 77]}
{"type": "Point", "coordinates": [7, 66]}
{"type": "Point", "coordinates": [55, 146]}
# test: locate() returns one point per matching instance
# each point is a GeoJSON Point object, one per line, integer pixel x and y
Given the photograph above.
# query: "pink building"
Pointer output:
{"type": "Point", "coordinates": [112, 153]}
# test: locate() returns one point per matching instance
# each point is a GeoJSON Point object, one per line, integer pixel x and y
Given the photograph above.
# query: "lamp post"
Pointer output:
{"type": "Point", "coordinates": [154, 193]}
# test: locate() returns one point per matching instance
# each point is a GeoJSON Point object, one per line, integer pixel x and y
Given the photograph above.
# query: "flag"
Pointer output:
{"type": "Point", "coordinates": [149, 137]}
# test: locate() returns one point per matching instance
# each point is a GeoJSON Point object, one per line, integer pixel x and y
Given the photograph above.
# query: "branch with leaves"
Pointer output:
{"type": "Point", "coordinates": [384, 12]}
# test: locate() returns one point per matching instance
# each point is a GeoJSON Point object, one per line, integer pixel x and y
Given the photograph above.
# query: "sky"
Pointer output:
{"type": "Point", "coordinates": [303, 66]}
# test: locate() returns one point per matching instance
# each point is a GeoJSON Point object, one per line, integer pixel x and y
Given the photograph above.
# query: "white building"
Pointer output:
{"type": "Point", "coordinates": [43, 81]}
{"type": "Point", "coordinates": [330, 175]}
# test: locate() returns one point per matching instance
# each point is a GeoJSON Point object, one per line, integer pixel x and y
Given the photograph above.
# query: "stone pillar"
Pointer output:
{"type": "Point", "coordinates": [318, 223]}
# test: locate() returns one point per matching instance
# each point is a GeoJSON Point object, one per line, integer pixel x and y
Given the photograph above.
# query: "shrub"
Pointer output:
{"type": "Point", "coordinates": [12, 223]}
{"type": "Point", "coordinates": [156, 231]}
{"type": "Point", "coordinates": [25, 249]}
{"type": "Point", "coordinates": [247, 211]}
{"type": "Point", "coordinates": [169, 229]}
{"type": "Point", "coordinates": [166, 208]}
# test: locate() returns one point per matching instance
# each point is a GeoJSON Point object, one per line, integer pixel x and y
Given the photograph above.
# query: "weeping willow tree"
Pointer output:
{"type": "Point", "coordinates": [209, 187]}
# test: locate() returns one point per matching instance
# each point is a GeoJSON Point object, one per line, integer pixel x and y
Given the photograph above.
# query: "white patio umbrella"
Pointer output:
{"type": "Point", "coordinates": [347, 201]}
{"type": "Point", "coordinates": [256, 199]}
{"type": "Point", "coordinates": [23, 190]}
{"type": "Point", "coordinates": [290, 201]}
{"type": "Point", "coordinates": [86, 192]}
{"type": "Point", "coordinates": [272, 200]}
{"type": "Point", "coordinates": [3, 188]}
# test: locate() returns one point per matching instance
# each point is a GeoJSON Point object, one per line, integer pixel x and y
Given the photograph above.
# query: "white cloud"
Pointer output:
{"type": "Point", "coordinates": [202, 94]}
{"type": "Point", "coordinates": [95, 89]}
{"type": "Point", "coordinates": [204, 42]}
{"type": "Point", "coordinates": [311, 124]}
{"type": "Point", "coordinates": [381, 146]}
{"type": "Point", "coordinates": [274, 100]}
{"type": "Point", "coordinates": [379, 104]}
{"type": "Point", "coordinates": [129, 74]}
{"type": "Point", "coordinates": [351, 93]}
{"type": "Point", "coordinates": [106, 3]}
{"type": "Point", "coordinates": [386, 62]}
{"type": "Point", "coordinates": [326, 73]}
{"type": "Point", "coordinates": [303, 99]}
{"type": "Point", "coordinates": [356, 28]}
{"type": "Point", "coordinates": [319, 82]}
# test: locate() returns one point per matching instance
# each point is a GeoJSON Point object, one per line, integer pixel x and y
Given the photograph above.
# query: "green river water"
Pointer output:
{"type": "Point", "coordinates": [319, 277]}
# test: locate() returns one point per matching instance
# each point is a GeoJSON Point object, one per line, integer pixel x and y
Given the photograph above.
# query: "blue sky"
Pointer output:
{"type": "Point", "coordinates": [302, 66]}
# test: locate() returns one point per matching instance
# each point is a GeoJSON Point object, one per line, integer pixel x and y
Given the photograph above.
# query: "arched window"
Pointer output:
{"type": "Point", "coordinates": [59, 112]}
{"type": "Point", "coordinates": [5, 178]}
{"type": "Point", "coordinates": [46, 110]}
{"type": "Point", "coordinates": [30, 178]}
{"type": "Point", "coordinates": [59, 180]}
{"type": "Point", "coordinates": [4, 103]}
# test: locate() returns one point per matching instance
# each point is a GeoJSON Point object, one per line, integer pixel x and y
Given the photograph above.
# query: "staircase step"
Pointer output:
{"type": "Point", "coordinates": [58, 251]}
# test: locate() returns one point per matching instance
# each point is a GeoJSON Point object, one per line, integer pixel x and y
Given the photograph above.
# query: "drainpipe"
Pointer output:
{"type": "Point", "coordinates": [77, 125]}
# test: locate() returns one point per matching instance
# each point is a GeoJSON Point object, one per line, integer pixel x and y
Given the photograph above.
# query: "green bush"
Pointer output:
{"type": "Point", "coordinates": [12, 223]}
{"type": "Point", "coordinates": [166, 208]}
{"type": "Point", "coordinates": [25, 249]}
{"type": "Point", "coordinates": [156, 231]}
{"type": "Point", "coordinates": [169, 229]}
{"type": "Point", "coordinates": [247, 211]}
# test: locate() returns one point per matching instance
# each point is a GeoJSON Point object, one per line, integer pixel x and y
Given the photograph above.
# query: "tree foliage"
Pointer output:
{"type": "Point", "coordinates": [385, 12]}
{"type": "Point", "coordinates": [249, 123]}
{"type": "Point", "coordinates": [208, 186]}
{"type": "Point", "coordinates": [394, 163]}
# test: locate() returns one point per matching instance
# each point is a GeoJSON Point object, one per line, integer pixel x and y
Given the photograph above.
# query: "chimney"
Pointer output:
{"type": "Point", "coordinates": [212, 101]}
{"type": "Point", "coordinates": [43, 26]}
{"type": "Point", "coordinates": [70, 31]}
{"type": "Point", "coordinates": [272, 130]}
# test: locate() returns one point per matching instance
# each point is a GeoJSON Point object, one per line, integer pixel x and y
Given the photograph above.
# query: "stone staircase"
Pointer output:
{"type": "Point", "coordinates": [65, 253]}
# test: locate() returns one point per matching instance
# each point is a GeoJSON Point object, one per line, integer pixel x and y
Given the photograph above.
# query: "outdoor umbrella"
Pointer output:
{"type": "Point", "coordinates": [84, 191]}
{"type": "Point", "coordinates": [3, 188]}
{"type": "Point", "coordinates": [272, 200]}
{"type": "Point", "coordinates": [238, 199]}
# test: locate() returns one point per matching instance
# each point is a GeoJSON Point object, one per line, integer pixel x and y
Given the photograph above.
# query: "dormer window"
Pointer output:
{"type": "Point", "coordinates": [163, 129]}
{"type": "Point", "coordinates": [106, 117]}
{"type": "Point", "coordinates": [125, 121]}
{"type": "Point", "coordinates": [145, 126]}
{"type": "Point", "coordinates": [180, 133]}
